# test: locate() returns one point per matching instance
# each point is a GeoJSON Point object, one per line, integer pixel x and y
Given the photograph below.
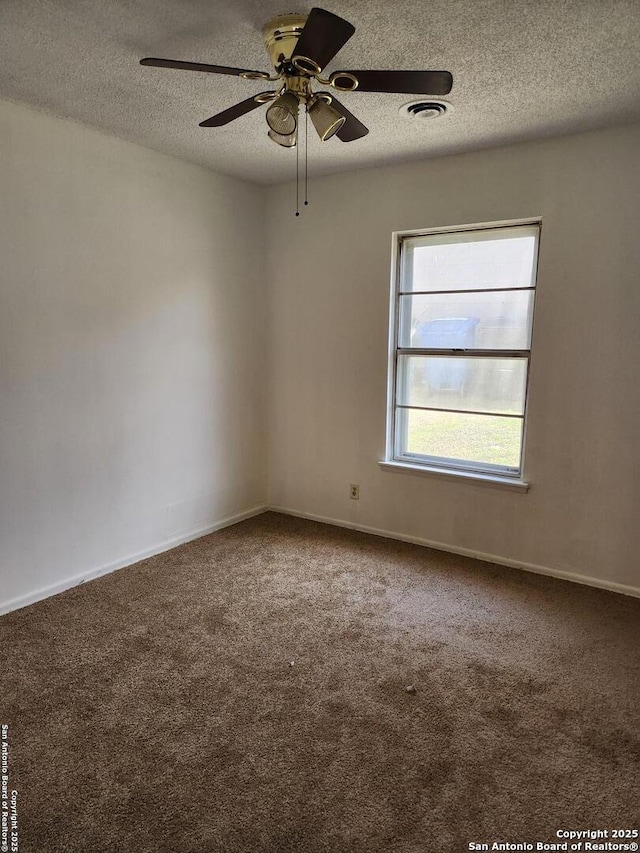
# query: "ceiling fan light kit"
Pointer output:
{"type": "Point", "coordinates": [326, 120]}
{"type": "Point", "coordinates": [288, 141]}
{"type": "Point", "coordinates": [282, 114]}
{"type": "Point", "coordinates": [300, 47]}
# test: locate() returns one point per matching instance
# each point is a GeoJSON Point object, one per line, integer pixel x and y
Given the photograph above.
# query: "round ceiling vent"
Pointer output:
{"type": "Point", "coordinates": [425, 109]}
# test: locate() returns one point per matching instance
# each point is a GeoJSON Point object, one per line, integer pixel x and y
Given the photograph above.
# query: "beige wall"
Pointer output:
{"type": "Point", "coordinates": [329, 296]}
{"type": "Point", "coordinates": [131, 349]}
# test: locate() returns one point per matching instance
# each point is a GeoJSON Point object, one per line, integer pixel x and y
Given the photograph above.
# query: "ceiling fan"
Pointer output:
{"type": "Point", "coordinates": [299, 47]}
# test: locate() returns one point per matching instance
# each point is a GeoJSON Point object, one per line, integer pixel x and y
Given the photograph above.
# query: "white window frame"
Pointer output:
{"type": "Point", "coordinates": [453, 469]}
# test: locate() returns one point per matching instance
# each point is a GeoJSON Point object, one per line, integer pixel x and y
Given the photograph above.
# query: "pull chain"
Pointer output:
{"type": "Point", "coordinates": [306, 158]}
{"type": "Point", "coordinates": [297, 178]}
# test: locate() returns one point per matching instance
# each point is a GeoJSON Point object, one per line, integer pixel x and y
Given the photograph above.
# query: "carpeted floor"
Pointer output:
{"type": "Point", "coordinates": [247, 692]}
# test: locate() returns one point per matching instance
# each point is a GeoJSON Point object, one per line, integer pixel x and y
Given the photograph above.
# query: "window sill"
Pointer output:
{"type": "Point", "coordinates": [511, 483]}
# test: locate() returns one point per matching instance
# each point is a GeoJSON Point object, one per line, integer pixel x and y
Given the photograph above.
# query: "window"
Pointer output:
{"type": "Point", "coordinates": [462, 317]}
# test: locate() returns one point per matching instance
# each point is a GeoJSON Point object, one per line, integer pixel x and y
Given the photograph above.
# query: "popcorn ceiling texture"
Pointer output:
{"type": "Point", "coordinates": [247, 693]}
{"type": "Point", "coordinates": [521, 70]}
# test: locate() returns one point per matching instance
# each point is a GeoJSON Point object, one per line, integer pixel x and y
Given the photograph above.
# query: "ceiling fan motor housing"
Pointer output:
{"type": "Point", "coordinates": [281, 35]}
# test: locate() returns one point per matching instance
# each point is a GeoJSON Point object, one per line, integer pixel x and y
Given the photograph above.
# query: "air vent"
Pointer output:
{"type": "Point", "coordinates": [425, 109]}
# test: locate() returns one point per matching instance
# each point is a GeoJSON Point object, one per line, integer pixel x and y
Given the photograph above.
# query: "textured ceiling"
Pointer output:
{"type": "Point", "coordinates": [522, 69]}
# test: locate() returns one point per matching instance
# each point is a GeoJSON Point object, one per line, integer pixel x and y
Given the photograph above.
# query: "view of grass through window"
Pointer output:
{"type": "Point", "coordinates": [468, 438]}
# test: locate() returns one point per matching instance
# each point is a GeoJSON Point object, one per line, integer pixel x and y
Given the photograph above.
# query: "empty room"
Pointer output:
{"type": "Point", "coordinates": [319, 419]}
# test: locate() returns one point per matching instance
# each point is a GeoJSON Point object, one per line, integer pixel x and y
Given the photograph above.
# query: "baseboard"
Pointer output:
{"type": "Point", "coordinates": [167, 545]}
{"type": "Point", "coordinates": [610, 586]}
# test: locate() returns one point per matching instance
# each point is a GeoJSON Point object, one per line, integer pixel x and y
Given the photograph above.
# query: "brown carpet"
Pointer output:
{"type": "Point", "coordinates": [246, 692]}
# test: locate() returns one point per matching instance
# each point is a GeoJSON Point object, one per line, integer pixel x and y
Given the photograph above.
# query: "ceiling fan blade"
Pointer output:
{"type": "Point", "coordinates": [200, 66]}
{"type": "Point", "coordinates": [352, 128]}
{"type": "Point", "coordinates": [235, 111]}
{"type": "Point", "coordinates": [323, 35]}
{"type": "Point", "coordinates": [402, 82]}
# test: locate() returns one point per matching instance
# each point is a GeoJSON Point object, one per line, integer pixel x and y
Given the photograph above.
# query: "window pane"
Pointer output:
{"type": "Point", "coordinates": [496, 385]}
{"type": "Point", "coordinates": [500, 320]}
{"type": "Point", "coordinates": [503, 257]}
{"type": "Point", "coordinates": [480, 439]}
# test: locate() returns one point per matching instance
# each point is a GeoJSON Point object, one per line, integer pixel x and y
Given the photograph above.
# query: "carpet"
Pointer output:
{"type": "Point", "coordinates": [283, 685]}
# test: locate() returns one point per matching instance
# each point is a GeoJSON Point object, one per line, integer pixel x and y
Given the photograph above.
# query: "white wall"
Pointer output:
{"type": "Point", "coordinates": [133, 331]}
{"type": "Point", "coordinates": [329, 295]}
{"type": "Point", "coordinates": [132, 336]}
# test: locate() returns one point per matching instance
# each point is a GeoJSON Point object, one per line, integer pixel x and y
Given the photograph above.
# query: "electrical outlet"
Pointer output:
{"type": "Point", "coordinates": [354, 492]}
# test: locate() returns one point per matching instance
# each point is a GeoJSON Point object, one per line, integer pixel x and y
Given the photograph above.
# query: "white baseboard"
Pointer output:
{"type": "Point", "coordinates": [167, 545]}
{"type": "Point", "coordinates": [611, 586]}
